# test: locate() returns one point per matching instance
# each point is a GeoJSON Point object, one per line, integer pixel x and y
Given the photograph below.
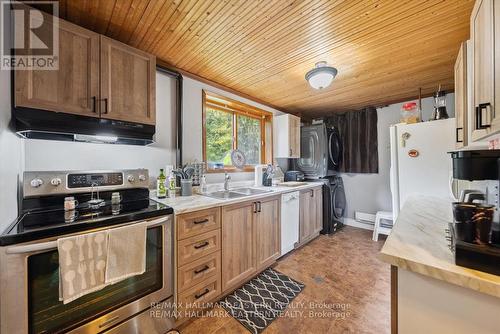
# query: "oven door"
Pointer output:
{"type": "Point", "coordinates": [30, 288]}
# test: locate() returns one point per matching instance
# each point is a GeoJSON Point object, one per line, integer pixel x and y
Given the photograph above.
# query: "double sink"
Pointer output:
{"type": "Point", "coordinates": [236, 193]}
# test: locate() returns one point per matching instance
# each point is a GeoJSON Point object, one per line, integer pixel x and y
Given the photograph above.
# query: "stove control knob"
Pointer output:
{"type": "Point", "coordinates": [142, 177]}
{"type": "Point", "coordinates": [55, 181]}
{"type": "Point", "coordinates": [35, 183]}
{"type": "Point", "coordinates": [131, 178]}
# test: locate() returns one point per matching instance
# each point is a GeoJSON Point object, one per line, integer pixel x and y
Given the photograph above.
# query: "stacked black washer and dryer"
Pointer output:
{"type": "Point", "coordinates": [321, 157]}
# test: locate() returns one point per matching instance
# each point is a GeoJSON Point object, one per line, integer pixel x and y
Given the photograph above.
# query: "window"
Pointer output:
{"type": "Point", "coordinates": [229, 125]}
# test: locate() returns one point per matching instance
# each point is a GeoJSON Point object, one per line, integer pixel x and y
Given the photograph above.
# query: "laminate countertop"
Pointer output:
{"type": "Point", "coordinates": [418, 243]}
{"type": "Point", "coordinates": [185, 204]}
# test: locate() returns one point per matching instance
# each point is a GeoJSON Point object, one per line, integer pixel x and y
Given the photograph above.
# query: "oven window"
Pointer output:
{"type": "Point", "coordinates": [48, 315]}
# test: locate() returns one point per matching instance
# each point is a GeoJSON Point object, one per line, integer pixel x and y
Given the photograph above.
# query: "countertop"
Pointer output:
{"type": "Point", "coordinates": [184, 204]}
{"type": "Point", "coordinates": [417, 243]}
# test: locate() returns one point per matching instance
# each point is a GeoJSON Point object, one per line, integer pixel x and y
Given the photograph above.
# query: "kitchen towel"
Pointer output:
{"type": "Point", "coordinates": [126, 252]}
{"type": "Point", "coordinates": [82, 263]}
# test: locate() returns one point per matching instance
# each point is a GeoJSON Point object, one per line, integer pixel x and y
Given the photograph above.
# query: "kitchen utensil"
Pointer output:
{"type": "Point", "coordinates": [186, 187]}
{"type": "Point", "coordinates": [188, 171]}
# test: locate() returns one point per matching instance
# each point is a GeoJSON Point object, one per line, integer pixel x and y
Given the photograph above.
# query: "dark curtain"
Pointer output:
{"type": "Point", "coordinates": [358, 133]}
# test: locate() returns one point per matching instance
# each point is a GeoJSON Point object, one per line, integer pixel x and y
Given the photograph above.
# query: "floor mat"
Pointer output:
{"type": "Point", "coordinates": [259, 302]}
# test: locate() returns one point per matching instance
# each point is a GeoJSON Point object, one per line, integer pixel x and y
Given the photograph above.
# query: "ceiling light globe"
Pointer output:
{"type": "Point", "coordinates": [321, 76]}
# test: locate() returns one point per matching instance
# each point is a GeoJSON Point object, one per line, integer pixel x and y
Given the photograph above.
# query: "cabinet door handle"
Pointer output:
{"type": "Point", "coordinates": [105, 105]}
{"type": "Point", "coordinates": [260, 206]}
{"type": "Point", "coordinates": [291, 152]}
{"type": "Point", "coordinates": [94, 104]}
{"type": "Point", "coordinates": [479, 116]}
{"type": "Point", "coordinates": [456, 136]}
{"type": "Point", "coordinates": [312, 193]}
{"type": "Point", "coordinates": [200, 221]}
{"type": "Point", "coordinates": [205, 244]}
{"type": "Point", "coordinates": [254, 207]}
{"type": "Point", "coordinates": [205, 268]}
{"type": "Point", "coordinates": [198, 296]}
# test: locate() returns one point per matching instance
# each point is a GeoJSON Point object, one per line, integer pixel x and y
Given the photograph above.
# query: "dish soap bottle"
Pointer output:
{"type": "Point", "coordinates": [203, 184]}
{"type": "Point", "coordinates": [161, 190]}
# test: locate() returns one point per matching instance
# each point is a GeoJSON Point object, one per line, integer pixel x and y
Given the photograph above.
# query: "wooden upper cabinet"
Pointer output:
{"type": "Point", "coordinates": [127, 83]}
{"type": "Point", "coordinates": [238, 244]}
{"type": "Point", "coordinates": [484, 26]}
{"type": "Point", "coordinates": [268, 232]}
{"type": "Point", "coordinates": [74, 87]}
{"type": "Point", "coordinates": [461, 97]}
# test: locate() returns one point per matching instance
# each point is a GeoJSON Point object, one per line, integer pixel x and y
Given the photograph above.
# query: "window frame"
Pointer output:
{"type": "Point", "coordinates": [235, 108]}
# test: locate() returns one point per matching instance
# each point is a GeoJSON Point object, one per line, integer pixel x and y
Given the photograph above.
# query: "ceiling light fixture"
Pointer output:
{"type": "Point", "coordinates": [321, 76]}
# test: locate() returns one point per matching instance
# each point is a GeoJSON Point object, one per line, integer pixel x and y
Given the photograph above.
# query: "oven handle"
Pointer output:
{"type": "Point", "coordinates": [44, 246]}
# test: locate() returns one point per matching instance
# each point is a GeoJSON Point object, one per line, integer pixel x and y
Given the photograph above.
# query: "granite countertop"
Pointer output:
{"type": "Point", "coordinates": [184, 204]}
{"type": "Point", "coordinates": [418, 243]}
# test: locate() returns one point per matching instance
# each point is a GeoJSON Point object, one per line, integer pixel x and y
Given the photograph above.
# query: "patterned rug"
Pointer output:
{"type": "Point", "coordinates": [256, 304]}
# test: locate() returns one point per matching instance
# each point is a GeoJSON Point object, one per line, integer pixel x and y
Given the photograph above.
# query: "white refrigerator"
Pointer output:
{"type": "Point", "coordinates": [420, 163]}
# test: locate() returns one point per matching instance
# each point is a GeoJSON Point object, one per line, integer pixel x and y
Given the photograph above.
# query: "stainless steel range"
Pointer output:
{"type": "Point", "coordinates": [29, 275]}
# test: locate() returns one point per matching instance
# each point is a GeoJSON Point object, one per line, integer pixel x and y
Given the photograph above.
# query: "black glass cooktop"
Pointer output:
{"type": "Point", "coordinates": [46, 217]}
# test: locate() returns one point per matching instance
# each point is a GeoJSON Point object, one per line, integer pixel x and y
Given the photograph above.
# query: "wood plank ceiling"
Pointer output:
{"type": "Point", "coordinates": [384, 50]}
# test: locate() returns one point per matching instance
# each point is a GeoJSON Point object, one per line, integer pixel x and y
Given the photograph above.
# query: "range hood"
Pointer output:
{"type": "Point", "coordinates": [40, 124]}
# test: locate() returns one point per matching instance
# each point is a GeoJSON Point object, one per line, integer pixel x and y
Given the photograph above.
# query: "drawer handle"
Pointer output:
{"type": "Point", "coordinates": [200, 221]}
{"type": "Point", "coordinates": [205, 244]}
{"type": "Point", "coordinates": [202, 294]}
{"type": "Point", "coordinates": [205, 268]}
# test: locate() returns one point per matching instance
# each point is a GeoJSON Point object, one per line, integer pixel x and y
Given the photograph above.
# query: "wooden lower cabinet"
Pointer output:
{"type": "Point", "coordinates": [268, 232]}
{"type": "Point", "coordinates": [238, 244]}
{"type": "Point", "coordinates": [311, 214]}
{"type": "Point", "coordinates": [250, 239]}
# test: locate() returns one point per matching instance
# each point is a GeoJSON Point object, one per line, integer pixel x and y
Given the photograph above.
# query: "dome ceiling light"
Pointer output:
{"type": "Point", "coordinates": [321, 76]}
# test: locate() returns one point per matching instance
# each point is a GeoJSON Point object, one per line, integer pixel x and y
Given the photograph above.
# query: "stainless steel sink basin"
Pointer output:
{"type": "Point", "coordinates": [250, 191]}
{"type": "Point", "coordinates": [224, 194]}
{"type": "Point", "coordinates": [236, 193]}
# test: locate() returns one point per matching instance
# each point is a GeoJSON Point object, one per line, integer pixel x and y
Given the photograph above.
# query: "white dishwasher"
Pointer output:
{"type": "Point", "coordinates": [289, 221]}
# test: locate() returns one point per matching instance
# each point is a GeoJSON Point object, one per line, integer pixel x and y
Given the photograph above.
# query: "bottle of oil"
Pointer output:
{"type": "Point", "coordinates": [161, 189]}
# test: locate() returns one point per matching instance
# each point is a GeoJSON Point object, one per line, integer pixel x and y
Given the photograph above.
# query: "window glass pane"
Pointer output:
{"type": "Point", "coordinates": [219, 136]}
{"type": "Point", "coordinates": [249, 138]}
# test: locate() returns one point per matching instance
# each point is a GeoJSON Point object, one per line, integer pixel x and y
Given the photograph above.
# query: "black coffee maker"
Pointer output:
{"type": "Point", "coordinates": [475, 232]}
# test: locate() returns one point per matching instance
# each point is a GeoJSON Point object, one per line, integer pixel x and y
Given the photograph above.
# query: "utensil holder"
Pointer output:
{"type": "Point", "coordinates": [186, 187]}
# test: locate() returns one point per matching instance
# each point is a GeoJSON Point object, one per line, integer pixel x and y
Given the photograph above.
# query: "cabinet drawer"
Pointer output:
{"type": "Point", "coordinates": [194, 223]}
{"type": "Point", "coordinates": [193, 248]}
{"type": "Point", "coordinates": [198, 271]}
{"type": "Point", "coordinates": [198, 296]}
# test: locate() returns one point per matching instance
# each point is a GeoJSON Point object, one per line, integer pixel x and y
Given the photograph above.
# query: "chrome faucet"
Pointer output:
{"type": "Point", "coordinates": [227, 177]}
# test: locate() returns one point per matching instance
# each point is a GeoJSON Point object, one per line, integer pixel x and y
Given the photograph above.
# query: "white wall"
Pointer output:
{"type": "Point", "coordinates": [11, 153]}
{"type": "Point", "coordinates": [371, 192]}
{"type": "Point", "coordinates": [192, 123]}
{"type": "Point", "coordinates": [60, 155]}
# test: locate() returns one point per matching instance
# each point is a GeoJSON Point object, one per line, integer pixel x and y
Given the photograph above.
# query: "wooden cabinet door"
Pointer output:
{"type": "Point", "coordinates": [127, 83]}
{"type": "Point", "coordinates": [74, 87]}
{"type": "Point", "coordinates": [307, 215]}
{"type": "Point", "coordinates": [238, 244]}
{"type": "Point", "coordinates": [318, 205]}
{"type": "Point", "coordinates": [461, 97]}
{"type": "Point", "coordinates": [267, 228]}
{"type": "Point", "coordinates": [483, 79]}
